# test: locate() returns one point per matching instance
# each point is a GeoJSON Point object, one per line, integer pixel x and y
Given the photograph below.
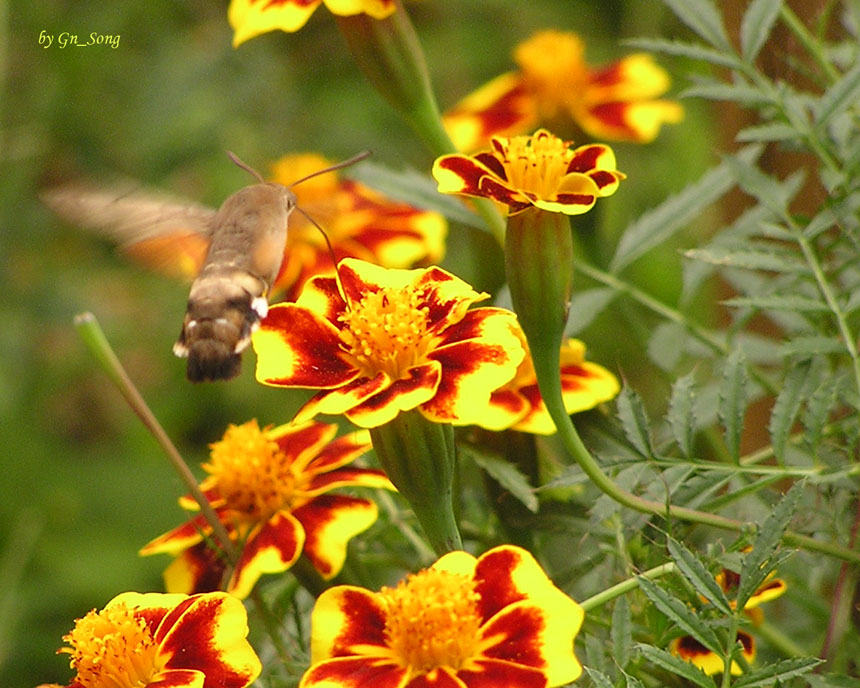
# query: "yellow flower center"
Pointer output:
{"type": "Point", "coordinates": [554, 69]}
{"type": "Point", "coordinates": [253, 475]}
{"type": "Point", "coordinates": [112, 648]}
{"type": "Point", "coordinates": [387, 331]}
{"type": "Point", "coordinates": [535, 163]}
{"type": "Point", "coordinates": [432, 620]}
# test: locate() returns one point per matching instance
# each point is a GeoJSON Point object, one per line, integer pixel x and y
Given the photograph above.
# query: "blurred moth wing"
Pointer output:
{"type": "Point", "coordinates": [235, 254]}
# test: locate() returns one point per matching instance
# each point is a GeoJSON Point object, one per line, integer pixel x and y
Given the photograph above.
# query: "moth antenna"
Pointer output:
{"type": "Point", "coordinates": [331, 168]}
{"type": "Point", "coordinates": [330, 253]}
{"type": "Point", "coordinates": [245, 166]}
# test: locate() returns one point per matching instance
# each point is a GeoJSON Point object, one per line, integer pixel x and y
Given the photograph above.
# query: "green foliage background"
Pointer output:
{"type": "Point", "coordinates": [83, 485]}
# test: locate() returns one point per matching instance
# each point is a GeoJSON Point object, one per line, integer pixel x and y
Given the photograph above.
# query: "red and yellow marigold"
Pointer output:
{"type": "Point", "coordinates": [617, 102]}
{"type": "Point", "coordinates": [492, 621]}
{"type": "Point", "coordinates": [272, 491]}
{"type": "Point", "coordinates": [377, 341]}
{"type": "Point", "coordinates": [163, 640]}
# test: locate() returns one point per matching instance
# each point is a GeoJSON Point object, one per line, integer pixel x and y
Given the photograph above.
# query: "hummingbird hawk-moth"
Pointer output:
{"type": "Point", "coordinates": [245, 241]}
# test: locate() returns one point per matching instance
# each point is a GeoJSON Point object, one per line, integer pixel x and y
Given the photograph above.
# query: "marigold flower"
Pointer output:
{"type": "Point", "coordinates": [251, 18]}
{"type": "Point", "coordinates": [359, 223]}
{"type": "Point", "coordinates": [518, 405]}
{"type": "Point", "coordinates": [156, 639]}
{"type": "Point", "coordinates": [615, 102]}
{"type": "Point", "coordinates": [539, 170]}
{"type": "Point", "coordinates": [270, 488]}
{"type": "Point", "coordinates": [390, 341]}
{"type": "Point", "coordinates": [494, 620]}
{"type": "Point", "coordinates": [688, 648]}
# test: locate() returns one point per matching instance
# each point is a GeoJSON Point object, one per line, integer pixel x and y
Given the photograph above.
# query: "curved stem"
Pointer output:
{"type": "Point", "coordinates": [625, 586]}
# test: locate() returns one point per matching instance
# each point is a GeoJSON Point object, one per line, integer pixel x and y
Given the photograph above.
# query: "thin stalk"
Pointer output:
{"type": "Point", "coordinates": [812, 46]}
{"type": "Point", "coordinates": [625, 586]}
{"type": "Point", "coordinates": [94, 337]}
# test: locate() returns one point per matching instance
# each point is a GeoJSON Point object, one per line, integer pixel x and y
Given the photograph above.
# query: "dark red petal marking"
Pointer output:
{"type": "Point", "coordinates": [498, 191]}
{"type": "Point", "coordinates": [206, 566]}
{"type": "Point", "coordinates": [314, 516]}
{"type": "Point", "coordinates": [520, 629]}
{"type": "Point", "coordinates": [365, 626]}
{"type": "Point", "coordinates": [469, 170]}
{"type": "Point", "coordinates": [356, 672]}
{"type": "Point", "coordinates": [294, 442]}
{"type": "Point", "coordinates": [279, 532]}
{"type": "Point", "coordinates": [509, 400]}
{"type": "Point", "coordinates": [493, 164]}
{"type": "Point", "coordinates": [613, 115]}
{"type": "Point", "coordinates": [494, 584]}
{"type": "Point", "coordinates": [603, 178]}
{"type": "Point", "coordinates": [574, 199]}
{"type": "Point", "coordinates": [436, 678]}
{"type": "Point", "coordinates": [495, 674]}
{"type": "Point", "coordinates": [419, 377]}
{"type": "Point", "coordinates": [342, 477]}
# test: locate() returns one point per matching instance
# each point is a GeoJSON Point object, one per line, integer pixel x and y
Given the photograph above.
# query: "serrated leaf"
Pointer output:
{"type": "Point", "coordinates": [812, 345]}
{"type": "Point", "coordinates": [748, 259]}
{"type": "Point", "coordinates": [509, 477]}
{"type": "Point", "coordinates": [631, 681]}
{"type": "Point", "coordinates": [786, 408]}
{"type": "Point", "coordinates": [415, 188]}
{"type": "Point", "coordinates": [621, 632]}
{"type": "Point", "coordinates": [598, 678]}
{"type": "Point", "coordinates": [753, 570]}
{"type": "Point", "coordinates": [680, 614]}
{"type": "Point", "coordinates": [833, 681]}
{"type": "Point", "coordinates": [631, 413]}
{"type": "Point", "coordinates": [756, 26]}
{"type": "Point", "coordinates": [655, 226]}
{"type": "Point", "coordinates": [740, 93]}
{"type": "Point", "coordinates": [778, 671]}
{"type": "Point", "coordinates": [844, 93]}
{"type": "Point", "coordinates": [693, 51]}
{"type": "Point", "coordinates": [733, 401]}
{"type": "Point", "coordinates": [702, 580]}
{"type": "Point", "coordinates": [682, 413]}
{"type": "Point", "coordinates": [703, 18]}
{"type": "Point", "coordinates": [817, 413]}
{"type": "Point", "coordinates": [585, 306]}
{"type": "Point", "coordinates": [777, 303]}
{"type": "Point", "coordinates": [773, 131]}
{"type": "Point", "coordinates": [764, 188]}
{"type": "Point", "coordinates": [676, 665]}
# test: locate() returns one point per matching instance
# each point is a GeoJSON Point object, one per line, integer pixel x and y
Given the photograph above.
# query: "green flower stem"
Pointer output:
{"type": "Point", "coordinates": [625, 586]}
{"type": "Point", "coordinates": [94, 337]}
{"type": "Point", "coordinates": [779, 640]}
{"type": "Point", "coordinates": [813, 47]}
{"type": "Point", "coordinates": [419, 457]}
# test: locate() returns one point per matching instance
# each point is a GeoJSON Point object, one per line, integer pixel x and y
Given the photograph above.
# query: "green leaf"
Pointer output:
{"type": "Point", "coordinates": [817, 412]}
{"type": "Point", "coordinates": [733, 401]}
{"type": "Point", "coordinates": [655, 226]}
{"type": "Point", "coordinates": [778, 671]}
{"type": "Point", "coordinates": [777, 303]}
{"type": "Point", "coordinates": [598, 678]}
{"type": "Point", "coordinates": [786, 408]}
{"type": "Point", "coordinates": [740, 93]}
{"type": "Point", "coordinates": [753, 570]}
{"type": "Point", "coordinates": [833, 681]}
{"type": "Point", "coordinates": [415, 188]}
{"type": "Point", "coordinates": [676, 665]}
{"type": "Point", "coordinates": [812, 345]}
{"type": "Point", "coordinates": [841, 95]}
{"type": "Point", "coordinates": [748, 259]}
{"type": "Point", "coordinates": [694, 51]}
{"type": "Point", "coordinates": [767, 190]}
{"type": "Point", "coordinates": [772, 131]}
{"type": "Point", "coordinates": [682, 413]}
{"type": "Point", "coordinates": [631, 413]}
{"type": "Point", "coordinates": [621, 632]}
{"type": "Point", "coordinates": [680, 614]}
{"type": "Point", "coordinates": [702, 580]}
{"type": "Point", "coordinates": [703, 18]}
{"type": "Point", "coordinates": [509, 477]}
{"type": "Point", "coordinates": [756, 26]}
{"type": "Point", "coordinates": [585, 306]}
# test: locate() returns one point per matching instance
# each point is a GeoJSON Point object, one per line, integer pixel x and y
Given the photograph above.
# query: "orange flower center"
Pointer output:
{"type": "Point", "coordinates": [432, 620]}
{"type": "Point", "coordinates": [554, 69]}
{"type": "Point", "coordinates": [387, 332]}
{"type": "Point", "coordinates": [253, 475]}
{"type": "Point", "coordinates": [112, 648]}
{"type": "Point", "coordinates": [535, 163]}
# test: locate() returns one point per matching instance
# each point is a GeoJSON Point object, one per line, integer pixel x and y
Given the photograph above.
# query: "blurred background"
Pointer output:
{"type": "Point", "coordinates": [83, 485]}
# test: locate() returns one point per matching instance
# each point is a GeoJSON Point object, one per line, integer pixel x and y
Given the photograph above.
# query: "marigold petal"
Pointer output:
{"type": "Point", "coordinates": [178, 678]}
{"type": "Point", "coordinates": [478, 355]}
{"type": "Point", "coordinates": [342, 399]}
{"type": "Point", "coordinates": [766, 592]}
{"type": "Point", "coordinates": [341, 452]}
{"type": "Point", "coordinates": [538, 636]}
{"type": "Point", "coordinates": [270, 548]}
{"type": "Point", "coordinates": [348, 477]}
{"type": "Point", "coordinates": [297, 348]}
{"type": "Point", "coordinates": [506, 409]}
{"type": "Point", "coordinates": [460, 174]}
{"type": "Point", "coordinates": [178, 539]}
{"type": "Point", "coordinates": [494, 673]}
{"type": "Point", "coordinates": [378, 9]}
{"type": "Point", "coordinates": [440, 677]}
{"type": "Point", "coordinates": [635, 77]}
{"type": "Point", "coordinates": [637, 121]}
{"type": "Point", "coordinates": [208, 633]}
{"type": "Point", "coordinates": [347, 620]}
{"type": "Point", "coordinates": [197, 569]}
{"type": "Point", "coordinates": [355, 672]}
{"type": "Point", "coordinates": [151, 606]}
{"type": "Point", "coordinates": [420, 385]}
{"type": "Point", "coordinates": [330, 522]}
{"type": "Point", "coordinates": [250, 18]}
{"type": "Point", "coordinates": [500, 107]}
{"type": "Point", "coordinates": [689, 649]}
